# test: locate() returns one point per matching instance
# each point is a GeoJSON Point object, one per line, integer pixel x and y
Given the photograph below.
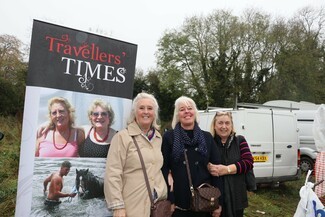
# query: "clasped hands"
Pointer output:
{"type": "Point", "coordinates": [217, 169]}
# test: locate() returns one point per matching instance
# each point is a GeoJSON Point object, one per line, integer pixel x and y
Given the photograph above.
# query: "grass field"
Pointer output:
{"type": "Point", "coordinates": [279, 201]}
{"type": "Point", "coordinates": [9, 162]}
{"type": "Point", "coordinates": [275, 201]}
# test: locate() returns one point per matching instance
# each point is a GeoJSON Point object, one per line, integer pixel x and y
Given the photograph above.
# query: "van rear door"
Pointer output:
{"type": "Point", "coordinates": [286, 142]}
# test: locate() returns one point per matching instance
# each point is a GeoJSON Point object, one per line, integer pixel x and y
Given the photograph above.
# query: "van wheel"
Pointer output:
{"type": "Point", "coordinates": [306, 164]}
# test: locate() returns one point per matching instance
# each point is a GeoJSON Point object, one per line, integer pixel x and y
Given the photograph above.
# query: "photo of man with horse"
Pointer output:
{"type": "Point", "coordinates": [75, 189]}
{"type": "Point", "coordinates": [56, 185]}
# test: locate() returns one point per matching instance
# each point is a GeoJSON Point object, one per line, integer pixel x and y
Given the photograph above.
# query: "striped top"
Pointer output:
{"type": "Point", "coordinates": [236, 151]}
{"type": "Point", "coordinates": [246, 162]}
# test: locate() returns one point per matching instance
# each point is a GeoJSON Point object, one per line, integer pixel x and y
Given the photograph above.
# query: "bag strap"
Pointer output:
{"type": "Point", "coordinates": [189, 173]}
{"type": "Point", "coordinates": [144, 172]}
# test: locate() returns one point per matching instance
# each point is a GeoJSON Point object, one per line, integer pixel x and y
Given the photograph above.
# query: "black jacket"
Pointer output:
{"type": "Point", "coordinates": [234, 185]}
{"type": "Point", "coordinates": [198, 167]}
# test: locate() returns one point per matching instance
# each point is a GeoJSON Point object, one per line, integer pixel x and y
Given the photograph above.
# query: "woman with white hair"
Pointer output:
{"type": "Point", "coordinates": [125, 187]}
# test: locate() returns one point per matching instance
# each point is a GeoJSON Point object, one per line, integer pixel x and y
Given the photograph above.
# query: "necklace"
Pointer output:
{"type": "Point", "coordinates": [60, 148]}
{"type": "Point", "coordinates": [100, 140]}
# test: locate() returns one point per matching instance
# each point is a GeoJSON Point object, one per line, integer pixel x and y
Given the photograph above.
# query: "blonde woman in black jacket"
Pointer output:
{"type": "Point", "coordinates": [236, 161]}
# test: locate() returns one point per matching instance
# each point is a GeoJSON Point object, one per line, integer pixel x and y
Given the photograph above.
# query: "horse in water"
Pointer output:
{"type": "Point", "coordinates": [91, 185]}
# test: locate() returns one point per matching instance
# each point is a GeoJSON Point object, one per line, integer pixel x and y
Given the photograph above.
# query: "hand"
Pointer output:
{"type": "Point", "coordinates": [213, 169]}
{"type": "Point", "coordinates": [119, 213]}
{"type": "Point", "coordinates": [72, 194]}
{"type": "Point", "coordinates": [172, 208]}
{"type": "Point", "coordinates": [171, 182]}
{"type": "Point", "coordinates": [217, 212]}
{"type": "Point", "coordinates": [43, 129]}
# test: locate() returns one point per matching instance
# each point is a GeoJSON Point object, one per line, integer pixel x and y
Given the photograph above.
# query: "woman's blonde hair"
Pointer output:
{"type": "Point", "coordinates": [66, 104]}
{"type": "Point", "coordinates": [219, 114]}
{"type": "Point", "coordinates": [155, 122]}
{"type": "Point", "coordinates": [104, 105]}
{"type": "Point", "coordinates": [187, 101]}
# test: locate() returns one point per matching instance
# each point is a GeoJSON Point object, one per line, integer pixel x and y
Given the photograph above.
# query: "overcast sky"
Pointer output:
{"type": "Point", "coordinates": [140, 22]}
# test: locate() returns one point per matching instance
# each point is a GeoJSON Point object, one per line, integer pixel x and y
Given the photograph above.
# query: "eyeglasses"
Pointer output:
{"type": "Point", "coordinates": [221, 113]}
{"type": "Point", "coordinates": [96, 114]}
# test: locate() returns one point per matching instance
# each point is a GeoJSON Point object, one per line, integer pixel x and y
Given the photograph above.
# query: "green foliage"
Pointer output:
{"type": "Point", "coordinates": [13, 72]}
{"type": "Point", "coordinates": [165, 95]}
{"type": "Point", "coordinates": [221, 58]}
{"type": "Point", "coordinates": [139, 83]}
{"type": "Point", "coordinates": [7, 97]}
{"type": "Point", "coordinates": [11, 97]}
{"type": "Point", "coordinates": [9, 161]}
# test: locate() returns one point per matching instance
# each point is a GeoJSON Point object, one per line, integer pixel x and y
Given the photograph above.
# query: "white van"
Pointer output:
{"type": "Point", "coordinates": [273, 140]}
{"type": "Point", "coordinates": [305, 112]}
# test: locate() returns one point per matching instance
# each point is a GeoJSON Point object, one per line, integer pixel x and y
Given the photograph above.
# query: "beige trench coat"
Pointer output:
{"type": "Point", "coordinates": [125, 185]}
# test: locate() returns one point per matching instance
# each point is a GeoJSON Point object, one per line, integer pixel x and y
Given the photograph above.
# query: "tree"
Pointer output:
{"type": "Point", "coordinates": [300, 62]}
{"type": "Point", "coordinates": [13, 71]}
{"type": "Point", "coordinates": [196, 54]}
{"type": "Point", "coordinates": [11, 58]}
{"type": "Point", "coordinates": [221, 58]}
{"type": "Point", "coordinates": [140, 84]}
{"type": "Point", "coordinates": [166, 95]}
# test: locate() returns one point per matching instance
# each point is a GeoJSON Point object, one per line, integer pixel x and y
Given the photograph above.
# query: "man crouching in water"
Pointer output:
{"type": "Point", "coordinates": [56, 185]}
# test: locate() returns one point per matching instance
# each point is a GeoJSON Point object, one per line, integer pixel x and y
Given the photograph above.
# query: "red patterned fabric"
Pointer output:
{"type": "Point", "coordinates": [320, 174]}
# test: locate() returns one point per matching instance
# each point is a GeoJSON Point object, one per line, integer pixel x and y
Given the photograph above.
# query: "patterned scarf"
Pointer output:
{"type": "Point", "coordinates": [181, 139]}
{"type": "Point", "coordinates": [150, 134]}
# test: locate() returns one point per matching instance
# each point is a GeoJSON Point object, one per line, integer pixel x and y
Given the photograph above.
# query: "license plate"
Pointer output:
{"type": "Point", "coordinates": [260, 158]}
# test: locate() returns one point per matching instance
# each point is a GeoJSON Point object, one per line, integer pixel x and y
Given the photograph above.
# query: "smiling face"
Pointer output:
{"type": "Point", "coordinates": [99, 117]}
{"type": "Point", "coordinates": [59, 115]}
{"type": "Point", "coordinates": [186, 115]}
{"type": "Point", "coordinates": [223, 125]}
{"type": "Point", "coordinates": [145, 113]}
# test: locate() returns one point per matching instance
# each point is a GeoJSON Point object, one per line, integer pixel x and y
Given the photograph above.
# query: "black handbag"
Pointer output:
{"type": "Point", "coordinates": [250, 181]}
{"type": "Point", "coordinates": [205, 198]}
{"type": "Point", "coordinates": [161, 208]}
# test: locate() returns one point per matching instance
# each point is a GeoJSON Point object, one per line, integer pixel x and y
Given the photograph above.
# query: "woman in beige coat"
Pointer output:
{"type": "Point", "coordinates": [125, 188]}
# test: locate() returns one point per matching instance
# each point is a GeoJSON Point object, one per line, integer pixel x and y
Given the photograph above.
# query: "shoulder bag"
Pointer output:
{"type": "Point", "coordinates": [249, 176]}
{"type": "Point", "coordinates": [205, 198]}
{"type": "Point", "coordinates": [250, 180]}
{"type": "Point", "coordinates": [161, 208]}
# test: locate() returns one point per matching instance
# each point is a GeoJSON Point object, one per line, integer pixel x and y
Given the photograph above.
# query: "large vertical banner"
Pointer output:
{"type": "Point", "coordinates": [78, 95]}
